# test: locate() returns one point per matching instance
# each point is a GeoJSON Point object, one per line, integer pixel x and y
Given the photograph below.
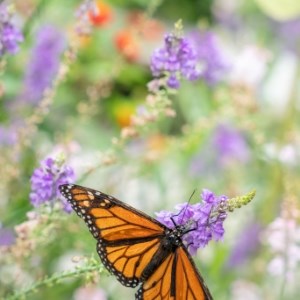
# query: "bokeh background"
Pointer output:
{"type": "Point", "coordinates": [79, 104]}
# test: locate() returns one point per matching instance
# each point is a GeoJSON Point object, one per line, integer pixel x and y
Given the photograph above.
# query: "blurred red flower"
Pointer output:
{"type": "Point", "coordinates": [102, 15]}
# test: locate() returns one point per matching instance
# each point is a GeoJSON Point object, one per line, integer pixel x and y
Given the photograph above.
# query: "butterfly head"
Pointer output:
{"type": "Point", "coordinates": [198, 223]}
{"type": "Point", "coordinates": [175, 235]}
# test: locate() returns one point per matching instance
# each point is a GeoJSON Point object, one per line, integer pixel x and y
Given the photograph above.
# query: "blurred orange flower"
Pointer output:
{"type": "Point", "coordinates": [149, 29]}
{"type": "Point", "coordinates": [123, 113]}
{"type": "Point", "coordinates": [127, 43]}
{"type": "Point", "coordinates": [156, 145]}
{"type": "Point", "coordinates": [102, 15]}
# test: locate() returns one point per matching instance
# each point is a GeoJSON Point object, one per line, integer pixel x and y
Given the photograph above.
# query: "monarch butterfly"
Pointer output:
{"type": "Point", "coordinates": [138, 249]}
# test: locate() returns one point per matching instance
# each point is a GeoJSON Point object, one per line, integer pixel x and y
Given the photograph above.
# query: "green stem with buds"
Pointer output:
{"type": "Point", "coordinates": [56, 278]}
{"type": "Point", "coordinates": [239, 201]}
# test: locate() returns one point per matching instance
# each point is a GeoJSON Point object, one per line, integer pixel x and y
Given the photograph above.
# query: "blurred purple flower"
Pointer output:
{"type": "Point", "coordinates": [7, 237]}
{"type": "Point", "coordinates": [175, 59]}
{"type": "Point", "coordinates": [290, 33]}
{"type": "Point", "coordinates": [230, 144]}
{"type": "Point", "coordinates": [209, 56]}
{"type": "Point", "coordinates": [227, 145]}
{"type": "Point", "coordinates": [8, 135]}
{"type": "Point", "coordinates": [246, 244]}
{"type": "Point", "coordinates": [44, 62]}
{"type": "Point", "coordinates": [10, 36]}
{"type": "Point", "coordinates": [206, 217]}
{"type": "Point", "coordinates": [227, 15]}
{"type": "Point", "coordinates": [204, 161]}
{"type": "Point", "coordinates": [45, 181]}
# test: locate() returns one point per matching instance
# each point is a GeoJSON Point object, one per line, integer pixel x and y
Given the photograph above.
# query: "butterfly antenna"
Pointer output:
{"type": "Point", "coordinates": [182, 210]}
{"type": "Point", "coordinates": [193, 193]}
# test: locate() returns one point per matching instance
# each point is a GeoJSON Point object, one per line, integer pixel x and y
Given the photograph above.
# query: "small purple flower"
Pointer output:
{"type": "Point", "coordinates": [44, 62]}
{"type": "Point", "coordinates": [10, 35]}
{"type": "Point", "coordinates": [196, 56]}
{"type": "Point", "coordinates": [209, 56]}
{"type": "Point", "coordinates": [45, 181]}
{"type": "Point", "coordinates": [206, 218]}
{"type": "Point", "coordinates": [175, 60]}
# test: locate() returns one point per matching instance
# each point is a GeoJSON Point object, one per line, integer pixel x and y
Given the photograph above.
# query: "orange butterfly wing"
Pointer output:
{"type": "Point", "coordinates": [130, 242]}
{"type": "Point", "coordinates": [175, 279]}
{"type": "Point", "coordinates": [127, 238]}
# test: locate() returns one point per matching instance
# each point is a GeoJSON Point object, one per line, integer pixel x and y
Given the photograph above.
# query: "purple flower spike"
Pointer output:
{"type": "Point", "coordinates": [206, 218]}
{"type": "Point", "coordinates": [174, 60]}
{"type": "Point", "coordinates": [196, 56]}
{"type": "Point", "coordinates": [10, 36]}
{"type": "Point", "coordinates": [45, 181]}
{"type": "Point", "coordinates": [44, 63]}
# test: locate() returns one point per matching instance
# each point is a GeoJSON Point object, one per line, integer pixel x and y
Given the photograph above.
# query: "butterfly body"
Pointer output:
{"type": "Point", "coordinates": [138, 249]}
{"type": "Point", "coordinates": [169, 242]}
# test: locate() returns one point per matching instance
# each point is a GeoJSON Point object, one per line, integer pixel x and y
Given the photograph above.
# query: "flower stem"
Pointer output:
{"type": "Point", "coordinates": [54, 279]}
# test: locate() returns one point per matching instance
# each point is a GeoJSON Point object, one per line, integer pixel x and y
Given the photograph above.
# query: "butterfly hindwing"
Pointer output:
{"type": "Point", "coordinates": [175, 279]}
{"type": "Point", "coordinates": [159, 284]}
{"type": "Point", "coordinates": [128, 262]}
{"type": "Point", "coordinates": [189, 282]}
{"type": "Point", "coordinates": [127, 238]}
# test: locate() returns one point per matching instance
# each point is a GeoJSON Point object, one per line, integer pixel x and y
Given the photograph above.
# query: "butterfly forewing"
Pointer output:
{"type": "Point", "coordinates": [127, 238]}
